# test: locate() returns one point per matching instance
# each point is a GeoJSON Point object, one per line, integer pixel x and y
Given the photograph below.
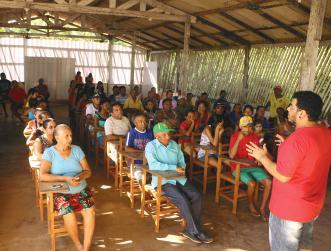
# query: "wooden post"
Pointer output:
{"type": "Point", "coordinates": [245, 75]}
{"type": "Point", "coordinates": [314, 34]}
{"type": "Point", "coordinates": [133, 56]}
{"type": "Point", "coordinates": [178, 68]}
{"type": "Point", "coordinates": [110, 64]}
{"type": "Point", "coordinates": [185, 56]}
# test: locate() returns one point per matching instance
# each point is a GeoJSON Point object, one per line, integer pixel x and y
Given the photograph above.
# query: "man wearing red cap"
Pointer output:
{"type": "Point", "coordinates": [276, 101]}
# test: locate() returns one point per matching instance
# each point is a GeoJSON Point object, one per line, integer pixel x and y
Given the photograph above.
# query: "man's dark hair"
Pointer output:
{"type": "Point", "coordinates": [166, 100]}
{"type": "Point", "coordinates": [41, 81]}
{"type": "Point", "coordinates": [115, 104]}
{"type": "Point", "coordinates": [310, 102]}
{"type": "Point", "coordinates": [258, 122]}
{"type": "Point", "coordinates": [188, 111]}
{"type": "Point", "coordinates": [248, 106]}
{"type": "Point", "coordinates": [259, 107]}
{"type": "Point", "coordinates": [169, 92]}
{"type": "Point", "coordinates": [202, 102]}
{"type": "Point", "coordinates": [115, 87]}
{"type": "Point", "coordinates": [204, 94]}
{"type": "Point", "coordinates": [46, 122]}
{"type": "Point", "coordinates": [122, 87]}
{"type": "Point", "coordinates": [140, 114]}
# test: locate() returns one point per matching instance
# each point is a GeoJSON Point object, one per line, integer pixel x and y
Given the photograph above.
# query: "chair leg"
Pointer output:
{"type": "Point", "coordinates": [205, 176]}
{"type": "Point", "coordinates": [218, 184]}
{"type": "Point", "coordinates": [131, 185]}
{"type": "Point", "coordinates": [41, 207]}
{"type": "Point", "coordinates": [143, 195]}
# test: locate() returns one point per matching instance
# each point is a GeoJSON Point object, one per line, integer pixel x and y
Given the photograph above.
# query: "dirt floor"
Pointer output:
{"type": "Point", "coordinates": [118, 227]}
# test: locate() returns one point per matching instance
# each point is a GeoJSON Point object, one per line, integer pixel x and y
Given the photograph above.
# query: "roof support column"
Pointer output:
{"type": "Point", "coordinates": [314, 34]}
{"type": "Point", "coordinates": [110, 64]}
{"type": "Point", "coordinates": [185, 57]}
{"type": "Point", "coordinates": [133, 57]}
{"type": "Point", "coordinates": [245, 75]}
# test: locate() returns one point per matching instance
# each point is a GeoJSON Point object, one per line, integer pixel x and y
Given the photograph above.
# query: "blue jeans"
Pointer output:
{"type": "Point", "coordinates": [187, 198]}
{"type": "Point", "coordinates": [287, 235]}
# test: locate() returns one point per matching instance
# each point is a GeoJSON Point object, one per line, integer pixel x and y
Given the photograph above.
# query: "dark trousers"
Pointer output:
{"type": "Point", "coordinates": [187, 198]}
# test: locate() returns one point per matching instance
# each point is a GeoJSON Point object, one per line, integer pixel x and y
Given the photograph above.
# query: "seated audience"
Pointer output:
{"type": "Point", "coordinates": [46, 139]}
{"type": "Point", "coordinates": [112, 97]}
{"type": "Point", "coordinates": [164, 154]}
{"type": "Point", "coordinates": [284, 127]}
{"type": "Point", "coordinates": [189, 101]}
{"type": "Point", "coordinates": [116, 125]}
{"type": "Point", "coordinates": [121, 97]}
{"type": "Point", "coordinates": [203, 114]}
{"type": "Point", "coordinates": [253, 174]}
{"type": "Point", "coordinates": [136, 141]}
{"type": "Point", "coordinates": [167, 115]}
{"type": "Point", "coordinates": [211, 135]}
{"type": "Point", "coordinates": [42, 116]}
{"type": "Point", "coordinates": [65, 162]}
{"type": "Point", "coordinates": [235, 115]}
{"type": "Point", "coordinates": [276, 100]}
{"type": "Point", "coordinates": [204, 97]}
{"type": "Point", "coordinates": [222, 99]}
{"type": "Point", "coordinates": [100, 90]}
{"type": "Point", "coordinates": [169, 95]}
{"type": "Point", "coordinates": [42, 88]}
{"type": "Point", "coordinates": [248, 110]}
{"type": "Point", "coordinates": [259, 114]}
{"type": "Point", "coordinates": [133, 104]}
{"type": "Point", "coordinates": [91, 110]}
{"type": "Point", "coordinates": [100, 118]}
{"type": "Point", "coordinates": [186, 128]}
{"type": "Point", "coordinates": [258, 129]}
{"type": "Point", "coordinates": [150, 113]}
{"type": "Point", "coordinates": [181, 108]}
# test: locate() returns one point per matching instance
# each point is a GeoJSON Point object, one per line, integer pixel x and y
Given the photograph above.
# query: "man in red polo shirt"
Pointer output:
{"type": "Point", "coordinates": [300, 175]}
{"type": "Point", "coordinates": [252, 174]}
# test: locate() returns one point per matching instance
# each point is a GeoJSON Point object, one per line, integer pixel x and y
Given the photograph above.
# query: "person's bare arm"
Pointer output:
{"type": "Point", "coordinates": [233, 150]}
{"type": "Point", "coordinates": [96, 125]}
{"type": "Point", "coordinates": [86, 173]}
{"type": "Point", "coordinates": [37, 148]}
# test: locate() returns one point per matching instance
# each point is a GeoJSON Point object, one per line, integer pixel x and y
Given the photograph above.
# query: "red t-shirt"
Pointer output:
{"type": "Point", "coordinates": [305, 156]}
{"type": "Point", "coordinates": [242, 152]}
{"type": "Point", "coordinates": [17, 95]}
{"type": "Point", "coordinates": [185, 126]}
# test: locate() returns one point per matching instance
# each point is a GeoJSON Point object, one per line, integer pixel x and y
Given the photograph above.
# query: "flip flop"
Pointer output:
{"type": "Point", "coordinates": [264, 217]}
{"type": "Point", "coordinates": [255, 214]}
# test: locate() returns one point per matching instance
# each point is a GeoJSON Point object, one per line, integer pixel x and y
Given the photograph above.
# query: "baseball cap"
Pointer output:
{"type": "Point", "coordinates": [218, 104]}
{"type": "Point", "coordinates": [246, 121]}
{"type": "Point", "coordinates": [162, 127]}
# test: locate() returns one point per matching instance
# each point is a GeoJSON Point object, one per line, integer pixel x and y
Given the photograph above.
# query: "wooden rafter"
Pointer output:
{"type": "Point", "coordinates": [256, 8]}
{"type": "Point", "coordinates": [155, 37]}
{"type": "Point", "coordinates": [178, 31]}
{"type": "Point", "coordinates": [84, 2]}
{"type": "Point", "coordinates": [248, 27]}
{"type": "Point", "coordinates": [226, 33]}
{"type": "Point", "coordinates": [91, 10]}
{"type": "Point", "coordinates": [230, 7]}
{"type": "Point", "coordinates": [128, 4]}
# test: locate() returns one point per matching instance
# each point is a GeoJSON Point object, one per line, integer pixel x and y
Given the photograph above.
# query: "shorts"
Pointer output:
{"type": "Point", "coordinates": [251, 173]}
{"type": "Point", "coordinates": [288, 235]}
{"type": "Point", "coordinates": [210, 155]}
{"type": "Point", "coordinates": [68, 203]}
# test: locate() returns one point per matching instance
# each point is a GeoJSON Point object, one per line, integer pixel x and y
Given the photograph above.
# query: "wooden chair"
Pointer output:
{"type": "Point", "coordinates": [204, 166]}
{"type": "Point", "coordinates": [228, 186]}
{"type": "Point", "coordinates": [112, 170]}
{"type": "Point", "coordinates": [154, 202]}
{"type": "Point", "coordinates": [131, 185]}
{"type": "Point", "coordinates": [99, 148]}
{"type": "Point", "coordinates": [55, 226]}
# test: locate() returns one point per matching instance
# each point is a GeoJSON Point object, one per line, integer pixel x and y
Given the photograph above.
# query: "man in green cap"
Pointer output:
{"type": "Point", "coordinates": [164, 154]}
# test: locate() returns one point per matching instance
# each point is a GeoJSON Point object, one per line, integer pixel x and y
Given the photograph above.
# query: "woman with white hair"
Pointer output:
{"type": "Point", "coordinates": [65, 162]}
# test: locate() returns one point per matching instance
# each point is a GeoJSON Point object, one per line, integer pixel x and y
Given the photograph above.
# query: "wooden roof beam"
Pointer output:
{"type": "Point", "coordinates": [172, 28]}
{"type": "Point", "coordinates": [229, 7]}
{"type": "Point", "coordinates": [256, 8]}
{"type": "Point", "coordinates": [248, 27]}
{"type": "Point", "coordinates": [225, 33]}
{"type": "Point", "coordinates": [155, 37]}
{"type": "Point", "coordinates": [91, 10]}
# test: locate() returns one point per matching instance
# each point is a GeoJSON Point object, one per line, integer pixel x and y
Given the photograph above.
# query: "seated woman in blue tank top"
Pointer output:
{"type": "Point", "coordinates": [65, 162]}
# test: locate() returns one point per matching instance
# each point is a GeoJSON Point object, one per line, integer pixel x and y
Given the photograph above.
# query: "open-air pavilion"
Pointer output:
{"type": "Point", "coordinates": [246, 47]}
